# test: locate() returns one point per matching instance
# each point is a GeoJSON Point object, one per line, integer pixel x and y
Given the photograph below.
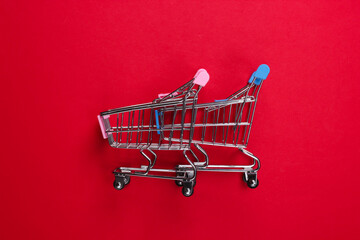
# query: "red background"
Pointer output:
{"type": "Point", "coordinates": [62, 62]}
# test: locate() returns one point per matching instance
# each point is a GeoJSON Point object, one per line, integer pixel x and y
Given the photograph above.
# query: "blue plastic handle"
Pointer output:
{"type": "Point", "coordinates": [157, 121]}
{"type": "Point", "coordinates": [260, 74]}
{"type": "Point", "coordinates": [251, 79]}
{"type": "Point", "coordinates": [221, 100]}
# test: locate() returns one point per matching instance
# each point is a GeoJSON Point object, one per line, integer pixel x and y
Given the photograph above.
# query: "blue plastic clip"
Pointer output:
{"type": "Point", "coordinates": [157, 121]}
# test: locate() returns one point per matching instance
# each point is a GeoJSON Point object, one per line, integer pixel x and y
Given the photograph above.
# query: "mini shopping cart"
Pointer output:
{"type": "Point", "coordinates": [175, 121]}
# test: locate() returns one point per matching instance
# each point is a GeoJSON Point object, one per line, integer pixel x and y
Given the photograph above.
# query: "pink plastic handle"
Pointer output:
{"type": "Point", "coordinates": [201, 77]}
{"type": "Point", "coordinates": [102, 125]}
{"type": "Point", "coordinates": [161, 95]}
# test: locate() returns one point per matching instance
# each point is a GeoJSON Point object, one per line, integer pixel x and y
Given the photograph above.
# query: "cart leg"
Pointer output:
{"type": "Point", "coordinates": [250, 177]}
{"type": "Point", "coordinates": [190, 178]}
{"type": "Point", "coordinates": [206, 162]}
{"type": "Point", "coordinates": [151, 162]}
{"type": "Point", "coordinates": [256, 160]}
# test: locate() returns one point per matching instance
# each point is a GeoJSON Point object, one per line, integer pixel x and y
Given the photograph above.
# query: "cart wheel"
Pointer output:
{"type": "Point", "coordinates": [120, 184]}
{"type": "Point", "coordinates": [179, 183]}
{"type": "Point", "coordinates": [252, 182]}
{"type": "Point", "coordinates": [127, 180]}
{"type": "Point", "coordinates": [187, 191]}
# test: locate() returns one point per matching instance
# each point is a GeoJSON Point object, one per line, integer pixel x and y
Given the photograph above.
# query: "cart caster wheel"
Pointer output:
{"type": "Point", "coordinates": [120, 184]}
{"type": "Point", "coordinates": [179, 183]}
{"type": "Point", "coordinates": [187, 191]}
{"type": "Point", "coordinates": [127, 180]}
{"type": "Point", "coordinates": [252, 182]}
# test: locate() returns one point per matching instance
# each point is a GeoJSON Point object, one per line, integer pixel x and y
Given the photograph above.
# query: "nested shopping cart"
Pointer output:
{"type": "Point", "coordinates": [175, 121]}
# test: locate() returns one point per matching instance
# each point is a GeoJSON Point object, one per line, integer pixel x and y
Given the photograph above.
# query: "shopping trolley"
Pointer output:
{"type": "Point", "coordinates": [175, 121]}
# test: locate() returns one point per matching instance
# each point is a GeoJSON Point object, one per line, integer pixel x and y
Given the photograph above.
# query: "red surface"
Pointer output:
{"type": "Point", "coordinates": [63, 62]}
